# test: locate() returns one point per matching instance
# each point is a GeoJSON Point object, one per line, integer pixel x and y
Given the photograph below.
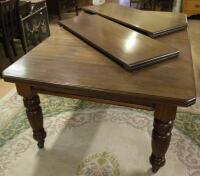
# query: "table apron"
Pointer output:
{"type": "Point", "coordinates": [100, 99]}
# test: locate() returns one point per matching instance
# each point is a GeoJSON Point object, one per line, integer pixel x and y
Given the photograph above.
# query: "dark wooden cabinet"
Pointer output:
{"type": "Point", "coordinates": [191, 7]}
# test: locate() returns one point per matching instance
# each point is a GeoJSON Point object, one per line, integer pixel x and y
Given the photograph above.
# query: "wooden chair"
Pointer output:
{"type": "Point", "coordinates": [56, 6]}
{"type": "Point", "coordinates": [141, 4]}
{"type": "Point", "coordinates": [10, 27]}
{"type": "Point", "coordinates": [165, 5]}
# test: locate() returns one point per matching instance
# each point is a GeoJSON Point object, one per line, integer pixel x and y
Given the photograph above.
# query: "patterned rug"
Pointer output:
{"type": "Point", "coordinates": [90, 139]}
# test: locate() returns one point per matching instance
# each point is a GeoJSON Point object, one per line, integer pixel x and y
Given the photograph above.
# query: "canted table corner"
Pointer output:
{"type": "Point", "coordinates": [66, 66]}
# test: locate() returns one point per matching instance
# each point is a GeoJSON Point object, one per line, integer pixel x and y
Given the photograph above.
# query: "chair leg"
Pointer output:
{"type": "Point", "coordinates": [23, 45]}
{"type": "Point", "coordinates": [153, 4]}
{"type": "Point", "coordinates": [59, 11]}
{"type": "Point", "coordinates": [59, 16]}
{"type": "Point", "coordinates": [13, 47]}
{"type": "Point", "coordinates": [8, 51]}
{"type": "Point", "coordinates": [171, 5]}
{"type": "Point", "coordinates": [76, 6]}
{"type": "Point", "coordinates": [76, 9]}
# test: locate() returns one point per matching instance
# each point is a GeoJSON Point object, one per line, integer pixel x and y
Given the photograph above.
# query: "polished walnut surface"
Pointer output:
{"type": "Point", "coordinates": [127, 47]}
{"type": "Point", "coordinates": [67, 62]}
{"type": "Point", "coordinates": [152, 24]}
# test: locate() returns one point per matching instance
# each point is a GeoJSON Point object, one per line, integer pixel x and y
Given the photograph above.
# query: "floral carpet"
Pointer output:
{"type": "Point", "coordinates": [90, 139]}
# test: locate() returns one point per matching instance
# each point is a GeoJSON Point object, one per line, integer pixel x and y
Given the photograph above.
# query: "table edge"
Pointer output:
{"type": "Point", "coordinates": [131, 96]}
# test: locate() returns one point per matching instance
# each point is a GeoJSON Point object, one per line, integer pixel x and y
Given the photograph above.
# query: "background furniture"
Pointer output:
{"type": "Point", "coordinates": [24, 8]}
{"type": "Point", "coordinates": [141, 4]}
{"type": "Point", "coordinates": [191, 7]}
{"type": "Point", "coordinates": [55, 7]}
{"type": "Point", "coordinates": [35, 25]}
{"type": "Point", "coordinates": [82, 3]}
{"type": "Point", "coordinates": [164, 5]}
{"type": "Point", "coordinates": [10, 27]}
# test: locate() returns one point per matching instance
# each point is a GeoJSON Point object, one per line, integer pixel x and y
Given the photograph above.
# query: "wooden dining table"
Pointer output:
{"type": "Point", "coordinates": [66, 66]}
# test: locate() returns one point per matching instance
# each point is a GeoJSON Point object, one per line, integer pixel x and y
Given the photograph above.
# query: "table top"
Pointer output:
{"type": "Point", "coordinates": [63, 61]}
{"type": "Point", "coordinates": [151, 23]}
{"type": "Point", "coordinates": [124, 46]}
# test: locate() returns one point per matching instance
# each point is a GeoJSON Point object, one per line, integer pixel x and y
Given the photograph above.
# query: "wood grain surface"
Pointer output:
{"type": "Point", "coordinates": [129, 48]}
{"type": "Point", "coordinates": [64, 63]}
{"type": "Point", "coordinates": [152, 24]}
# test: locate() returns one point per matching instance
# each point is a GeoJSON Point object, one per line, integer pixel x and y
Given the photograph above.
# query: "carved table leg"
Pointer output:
{"type": "Point", "coordinates": [161, 135]}
{"type": "Point", "coordinates": [34, 113]}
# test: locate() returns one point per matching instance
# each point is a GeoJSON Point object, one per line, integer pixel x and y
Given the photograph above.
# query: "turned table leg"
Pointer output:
{"type": "Point", "coordinates": [161, 135]}
{"type": "Point", "coordinates": [35, 117]}
{"type": "Point", "coordinates": [34, 112]}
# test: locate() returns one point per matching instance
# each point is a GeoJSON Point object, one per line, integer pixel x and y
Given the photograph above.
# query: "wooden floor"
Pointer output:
{"type": "Point", "coordinates": [194, 32]}
{"type": "Point", "coordinates": [5, 88]}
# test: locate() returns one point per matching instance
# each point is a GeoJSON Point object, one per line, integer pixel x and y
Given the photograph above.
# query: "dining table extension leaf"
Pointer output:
{"type": "Point", "coordinates": [153, 24]}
